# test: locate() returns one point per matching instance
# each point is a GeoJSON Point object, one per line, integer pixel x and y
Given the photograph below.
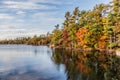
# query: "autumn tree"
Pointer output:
{"type": "Point", "coordinates": [56, 36]}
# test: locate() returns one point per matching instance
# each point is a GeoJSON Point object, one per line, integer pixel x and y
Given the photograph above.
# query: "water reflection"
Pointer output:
{"type": "Point", "coordinates": [88, 65]}
{"type": "Point", "coordinates": [23, 62]}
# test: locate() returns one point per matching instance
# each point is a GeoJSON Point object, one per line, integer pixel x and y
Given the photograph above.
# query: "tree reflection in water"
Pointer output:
{"type": "Point", "coordinates": [93, 65]}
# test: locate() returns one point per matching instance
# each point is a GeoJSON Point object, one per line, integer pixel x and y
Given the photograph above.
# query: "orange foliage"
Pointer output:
{"type": "Point", "coordinates": [81, 65]}
{"type": "Point", "coordinates": [102, 42]}
{"type": "Point", "coordinates": [80, 36]}
{"type": "Point", "coordinates": [104, 66]}
{"type": "Point", "coordinates": [83, 68]}
{"type": "Point", "coordinates": [102, 58]}
{"type": "Point", "coordinates": [81, 58]}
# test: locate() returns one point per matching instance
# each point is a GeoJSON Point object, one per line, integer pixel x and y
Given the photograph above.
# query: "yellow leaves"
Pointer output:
{"type": "Point", "coordinates": [103, 37]}
{"type": "Point", "coordinates": [104, 21]}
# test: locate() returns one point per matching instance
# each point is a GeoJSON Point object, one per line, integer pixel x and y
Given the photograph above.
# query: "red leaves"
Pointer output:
{"type": "Point", "coordinates": [65, 38]}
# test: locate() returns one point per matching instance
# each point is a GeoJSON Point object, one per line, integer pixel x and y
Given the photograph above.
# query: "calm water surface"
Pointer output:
{"type": "Point", "coordinates": [25, 62]}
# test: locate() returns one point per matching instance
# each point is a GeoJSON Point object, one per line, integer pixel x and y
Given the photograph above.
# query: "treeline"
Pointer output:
{"type": "Point", "coordinates": [36, 40]}
{"type": "Point", "coordinates": [96, 28]}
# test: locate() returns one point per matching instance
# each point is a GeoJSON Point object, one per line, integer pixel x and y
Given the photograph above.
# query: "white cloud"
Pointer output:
{"type": "Point", "coordinates": [48, 17]}
{"type": "Point", "coordinates": [21, 24]}
{"type": "Point", "coordinates": [56, 2]}
{"type": "Point", "coordinates": [47, 1]}
{"type": "Point", "coordinates": [9, 25]}
{"type": "Point", "coordinates": [5, 26]}
{"type": "Point", "coordinates": [14, 33]}
{"type": "Point", "coordinates": [44, 14]}
{"type": "Point", "coordinates": [11, 33]}
{"type": "Point", "coordinates": [20, 5]}
{"type": "Point", "coordinates": [20, 12]}
{"type": "Point", "coordinates": [6, 16]}
{"type": "Point", "coordinates": [20, 20]}
{"type": "Point", "coordinates": [13, 30]}
{"type": "Point", "coordinates": [25, 5]}
{"type": "Point", "coordinates": [33, 32]}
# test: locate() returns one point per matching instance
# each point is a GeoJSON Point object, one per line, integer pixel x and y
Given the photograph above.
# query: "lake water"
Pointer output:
{"type": "Point", "coordinates": [25, 62]}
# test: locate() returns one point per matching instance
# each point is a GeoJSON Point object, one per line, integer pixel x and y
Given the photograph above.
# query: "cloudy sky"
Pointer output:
{"type": "Point", "coordinates": [30, 17]}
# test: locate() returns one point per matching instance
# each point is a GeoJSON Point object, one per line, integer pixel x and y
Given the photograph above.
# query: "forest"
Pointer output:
{"type": "Point", "coordinates": [98, 28]}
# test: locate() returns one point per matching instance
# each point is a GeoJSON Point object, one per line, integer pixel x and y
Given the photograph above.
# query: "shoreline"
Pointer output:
{"type": "Point", "coordinates": [112, 51]}
{"type": "Point", "coordinates": [75, 49]}
{"type": "Point", "coordinates": [80, 49]}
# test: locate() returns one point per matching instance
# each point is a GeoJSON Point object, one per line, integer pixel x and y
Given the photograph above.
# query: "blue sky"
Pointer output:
{"type": "Point", "coordinates": [30, 17]}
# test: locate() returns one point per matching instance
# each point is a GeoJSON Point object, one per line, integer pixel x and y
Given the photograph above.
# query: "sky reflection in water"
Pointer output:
{"type": "Point", "coordinates": [28, 63]}
{"type": "Point", "coordinates": [25, 62]}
